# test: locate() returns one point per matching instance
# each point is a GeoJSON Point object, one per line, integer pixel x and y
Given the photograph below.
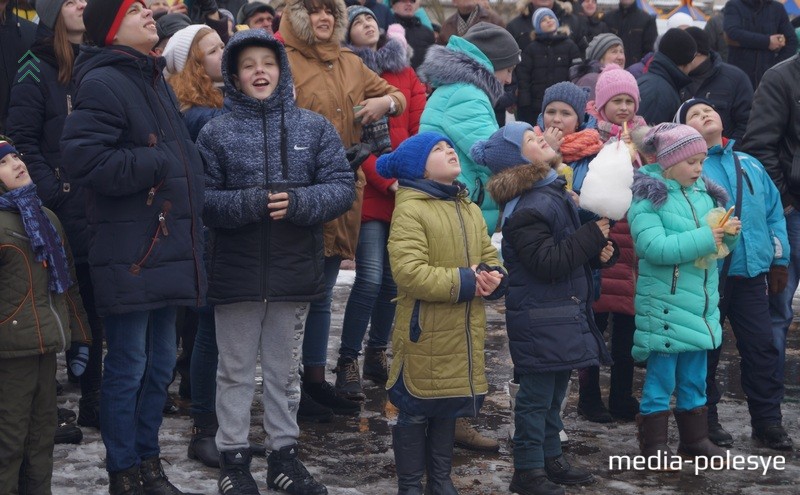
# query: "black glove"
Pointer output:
{"type": "Point", "coordinates": [356, 154]}
{"type": "Point", "coordinates": [777, 279]}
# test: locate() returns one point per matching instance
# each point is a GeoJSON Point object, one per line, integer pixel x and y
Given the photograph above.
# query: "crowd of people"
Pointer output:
{"type": "Point", "coordinates": [196, 172]}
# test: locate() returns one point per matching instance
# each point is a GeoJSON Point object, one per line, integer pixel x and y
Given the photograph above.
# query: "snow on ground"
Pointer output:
{"type": "Point", "coordinates": [353, 456]}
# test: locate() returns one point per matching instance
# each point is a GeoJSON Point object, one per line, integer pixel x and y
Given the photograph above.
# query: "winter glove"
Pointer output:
{"type": "Point", "coordinates": [356, 155]}
{"type": "Point", "coordinates": [78, 358]}
{"type": "Point", "coordinates": [777, 279]}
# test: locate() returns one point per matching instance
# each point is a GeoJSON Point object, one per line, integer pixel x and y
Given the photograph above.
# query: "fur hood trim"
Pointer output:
{"type": "Point", "coordinates": [515, 181]}
{"type": "Point", "coordinates": [391, 57]}
{"type": "Point", "coordinates": [296, 23]}
{"type": "Point", "coordinates": [648, 187]}
{"type": "Point", "coordinates": [444, 66]}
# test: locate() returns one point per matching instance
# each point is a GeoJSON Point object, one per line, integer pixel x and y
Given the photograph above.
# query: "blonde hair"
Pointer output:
{"type": "Point", "coordinates": [193, 86]}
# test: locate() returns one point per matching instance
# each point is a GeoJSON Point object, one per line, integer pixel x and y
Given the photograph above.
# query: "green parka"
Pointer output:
{"type": "Point", "coordinates": [676, 302]}
{"type": "Point", "coordinates": [438, 339]}
{"type": "Point", "coordinates": [34, 320]}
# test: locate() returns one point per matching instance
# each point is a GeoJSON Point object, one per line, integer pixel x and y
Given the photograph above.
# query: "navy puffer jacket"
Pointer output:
{"type": "Point", "coordinates": [36, 118]}
{"type": "Point", "coordinates": [127, 144]}
{"type": "Point", "coordinates": [262, 146]}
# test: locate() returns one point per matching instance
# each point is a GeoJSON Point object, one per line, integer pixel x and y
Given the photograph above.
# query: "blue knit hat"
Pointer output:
{"type": "Point", "coordinates": [7, 147]}
{"type": "Point", "coordinates": [539, 15]}
{"type": "Point", "coordinates": [571, 94]}
{"type": "Point", "coordinates": [409, 159]}
{"type": "Point", "coordinates": [503, 149]}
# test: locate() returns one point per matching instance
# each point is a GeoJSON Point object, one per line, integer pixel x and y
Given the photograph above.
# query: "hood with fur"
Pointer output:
{"type": "Point", "coordinates": [460, 62]}
{"type": "Point", "coordinates": [515, 181]}
{"type": "Point", "coordinates": [295, 28]}
{"type": "Point", "coordinates": [391, 57]}
{"type": "Point", "coordinates": [647, 184]}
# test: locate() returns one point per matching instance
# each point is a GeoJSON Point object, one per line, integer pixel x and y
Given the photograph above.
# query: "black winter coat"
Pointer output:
{"type": "Point", "coordinates": [749, 24]}
{"type": "Point", "coordinates": [636, 28]}
{"type": "Point", "coordinates": [128, 145]}
{"type": "Point", "coordinates": [521, 26]}
{"type": "Point", "coordinates": [595, 25]}
{"type": "Point", "coordinates": [549, 256]}
{"type": "Point", "coordinates": [728, 88]}
{"type": "Point", "coordinates": [16, 37]}
{"type": "Point", "coordinates": [419, 37]}
{"type": "Point", "coordinates": [659, 90]}
{"type": "Point", "coordinates": [36, 118]}
{"type": "Point", "coordinates": [773, 131]}
{"type": "Point", "coordinates": [545, 61]}
{"type": "Point", "coordinates": [263, 146]}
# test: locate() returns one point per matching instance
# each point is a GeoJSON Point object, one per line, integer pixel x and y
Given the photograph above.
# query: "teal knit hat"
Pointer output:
{"type": "Point", "coordinates": [409, 159]}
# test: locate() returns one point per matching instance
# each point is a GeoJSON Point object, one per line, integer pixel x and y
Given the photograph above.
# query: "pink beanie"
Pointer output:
{"type": "Point", "coordinates": [613, 81]}
{"type": "Point", "coordinates": [673, 143]}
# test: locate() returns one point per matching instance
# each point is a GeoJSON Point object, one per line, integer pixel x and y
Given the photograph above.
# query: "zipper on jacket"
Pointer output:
{"type": "Point", "coordinates": [675, 273]}
{"type": "Point", "coordinates": [151, 194]}
{"type": "Point", "coordinates": [467, 309]}
{"type": "Point", "coordinates": [265, 225]}
{"type": "Point", "coordinates": [705, 272]}
{"type": "Point", "coordinates": [59, 324]}
{"type": "Point", "coordinates": [747, 179]}
{"type": "Point", "coordinates": [69, 104]}
{"type": "Point", "coordinates": [161, 230]}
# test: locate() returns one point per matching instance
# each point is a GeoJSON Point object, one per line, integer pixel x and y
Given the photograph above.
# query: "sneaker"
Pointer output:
{"type": "Point", "coordinates": [310, 411]}
{"type": "Point", "coordinates": [65, 416]}
{"type": "Point", "coordinates": [718, 435]}
{"type": "Point", "coordinates": [234, 474]}
{"type": "Point", "coordinates": [348, 380]}
{"type": "Point", "coordinates": [560, 471]}
{"type": "Point", "coordinates": [286, 472]}
{"type": "Point", "coordinates": [773, 437]}
{"type": "Point", "coordinates": [325, 395]}
{"type": "Point", "coordinates": [376, 365]}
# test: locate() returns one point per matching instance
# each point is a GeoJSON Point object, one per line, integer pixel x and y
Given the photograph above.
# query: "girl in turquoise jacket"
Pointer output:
{"type": "Point", "coordinates": [677, 319]}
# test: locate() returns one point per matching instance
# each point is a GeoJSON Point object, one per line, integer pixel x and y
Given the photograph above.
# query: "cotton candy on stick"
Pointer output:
{"type": "Point", "coordinates": [606, 189]}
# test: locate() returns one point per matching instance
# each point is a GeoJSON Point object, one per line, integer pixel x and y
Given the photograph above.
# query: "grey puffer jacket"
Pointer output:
{"type": "Point", "coordinates": [263, 146]}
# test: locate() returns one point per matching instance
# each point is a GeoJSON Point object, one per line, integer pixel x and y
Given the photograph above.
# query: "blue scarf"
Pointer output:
{"type": "Point", "coordinates": [45, 241]}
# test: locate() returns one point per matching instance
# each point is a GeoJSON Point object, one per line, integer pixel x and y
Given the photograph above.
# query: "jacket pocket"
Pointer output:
{"type": "Point", "coordinates": [415, 328]}
{"type": "Point", "coordinates": [161, 231]}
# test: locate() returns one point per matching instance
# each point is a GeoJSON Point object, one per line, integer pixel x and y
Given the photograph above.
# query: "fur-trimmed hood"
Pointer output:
{"type": "Point", "coordinates": [649, 184]}
{"type": "Point", "coordinates": [515, 181]}
{"type": "Point", "coordinates": [296, 31]}
{"type": "Point", "coordinates": [391, 57]}
{"type": "Point", "coordinates": [460, 62]}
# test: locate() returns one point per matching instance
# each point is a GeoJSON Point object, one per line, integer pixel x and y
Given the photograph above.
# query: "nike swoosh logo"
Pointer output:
{"type": "Point", "coordinates": [298, 148]}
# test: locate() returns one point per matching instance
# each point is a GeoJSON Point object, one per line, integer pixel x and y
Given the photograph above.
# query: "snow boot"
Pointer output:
{"type": "Point", "coordinates": [376, 365]}
{"type": "Point", "coordinates": [718, 435]}
{"type": "Point", "coordinates": [470, 438]}
{"type": "Point", "coordinates": [202, 446]}
{"type": "Point", "coordinates": [621, 403]}
{"type": "Point", "coordinates": [310, 411]}
{"type": "Point", "coordinates": [348, 380]}
{"type": "Point", "coordinates": [286, 472]}
{"type": "Point", "coordinates": [127, 482]}
{"type": "Point", "coordinates": [773, 436]}
{"type": "Point", "coordinates": [693, 431]}
{"type": "Point", "coordinates": [560, 471]}
{"type": "Point", "coordinates": [325, 395]}
{"type": "Point", "coordinates": [155, 482]}
{"type": "Point", "coordinates": [89, 410]}
{"type": "Point", "coordinates": [408, 443]}
{"type": "Point", "coordinates": [590, 404]}
{"type": "Point", "coordinates": [234, 473]}
{"type": "Point", "coordinates": [652, 435]}
{"type": "Point", "coordinates": [533, 482]}
{"type": "Point", "coordinates": [439, 446]}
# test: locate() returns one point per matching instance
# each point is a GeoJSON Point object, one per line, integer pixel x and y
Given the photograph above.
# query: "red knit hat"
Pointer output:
{"type": "Point", "coordinates": [103, 18]}
{"type": "Point", "coordinates": [613, 81]}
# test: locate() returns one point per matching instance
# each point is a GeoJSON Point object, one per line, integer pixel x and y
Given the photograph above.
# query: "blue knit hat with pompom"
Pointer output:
{"type": "Point", "coordinates": [503, 149]}
{"type": "Point", "coordinates": [409, 159]}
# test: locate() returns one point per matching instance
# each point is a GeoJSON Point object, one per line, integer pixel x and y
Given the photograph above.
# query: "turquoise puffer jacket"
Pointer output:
{"type": "Point", "coordinates": [676, 302]}
{"type": "Point", "coordinates": [764, 241]}
{"type": "Point", "coordinates": [462, 109]}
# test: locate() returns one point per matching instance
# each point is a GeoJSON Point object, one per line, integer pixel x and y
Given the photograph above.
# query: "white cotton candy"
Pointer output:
{"type": "Point", "coordinates": [606, 189]}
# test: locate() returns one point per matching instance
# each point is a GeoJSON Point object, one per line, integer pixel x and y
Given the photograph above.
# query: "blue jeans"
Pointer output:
{"type": "Point", "coordinates": [780, 305]}
{"type": "Point", "coordinates": [372, 293]}
{"type": "Point", "coordinates": [665, 372]}
{"type": "Point", "coordinates": [203, 368]}
{"type": "Point", "coordinates": [318, 323]}
{"type": "Point", "coordinates": [137, 369]}
{"type": "Point", "coordinates": [537, 416]}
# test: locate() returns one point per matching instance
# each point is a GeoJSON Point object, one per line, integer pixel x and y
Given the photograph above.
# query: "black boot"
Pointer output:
{"type": "Point", "coordinates": [66, 431]}
{"type": "Point", "coordinates": [325, 395]}
{"type": "Point", "coordinates": [560, 471]}
{"type": "Point", "coordinates": [89, 410]}
{"type": "Point", "coordinates": [202, 446]}
{"type": "Point", "coordinates": [718, 435]}
{"type": "Point", "coordinates": [590, 404]}
{"type": "Point", "coordinates": [409, 447]}
{"type": "Point", "coordinates": [286, 472]}
{"type": "Point", "coordinates": [533, 482]}
{"type": "Point", "coordinates": [439, 456]}
{"type": "Point", "coordinates": [155, 482]}
{"type": "Point", "coordinates": [234, 473]}
{"type": "Point", "coordinates": [376, 365]}
{"type": "Point", "coordinates": [311, 411]}
{"type": "Point", "coordinates": [621, 403]}
{"type": "Point", "coordinates": [773, 436]}
{"type": "Point", "coordinates": [127, 482]}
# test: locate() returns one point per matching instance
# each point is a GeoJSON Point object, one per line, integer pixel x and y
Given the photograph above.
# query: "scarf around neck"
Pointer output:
{"type": "Point", "coordinates": [577, 145]}
{"type": "Point", "coordinates": [45, 242]}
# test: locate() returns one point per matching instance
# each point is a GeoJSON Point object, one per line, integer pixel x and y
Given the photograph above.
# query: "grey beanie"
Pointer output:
{"type": "Point", "coordinates": [496, 43]}
{"type": "Point", "coordinates": [600, 45]}
{"type": "Point", "coordinates": [48, 11]}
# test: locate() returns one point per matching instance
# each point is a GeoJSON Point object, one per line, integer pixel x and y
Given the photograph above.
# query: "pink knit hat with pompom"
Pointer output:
{"type": "Point", "coordinates": [613, 81]}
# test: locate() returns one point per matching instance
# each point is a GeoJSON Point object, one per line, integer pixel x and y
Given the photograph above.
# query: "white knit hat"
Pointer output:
{"type": "Point", "coordinates": [177, 49]}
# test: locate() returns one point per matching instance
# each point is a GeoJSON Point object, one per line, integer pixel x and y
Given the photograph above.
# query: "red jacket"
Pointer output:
{"type": "Point", "coordinates": [378, 199]}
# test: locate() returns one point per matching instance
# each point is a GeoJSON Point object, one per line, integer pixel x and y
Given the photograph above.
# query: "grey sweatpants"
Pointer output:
{"type": "Point", "coordinates": [244, 329]}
